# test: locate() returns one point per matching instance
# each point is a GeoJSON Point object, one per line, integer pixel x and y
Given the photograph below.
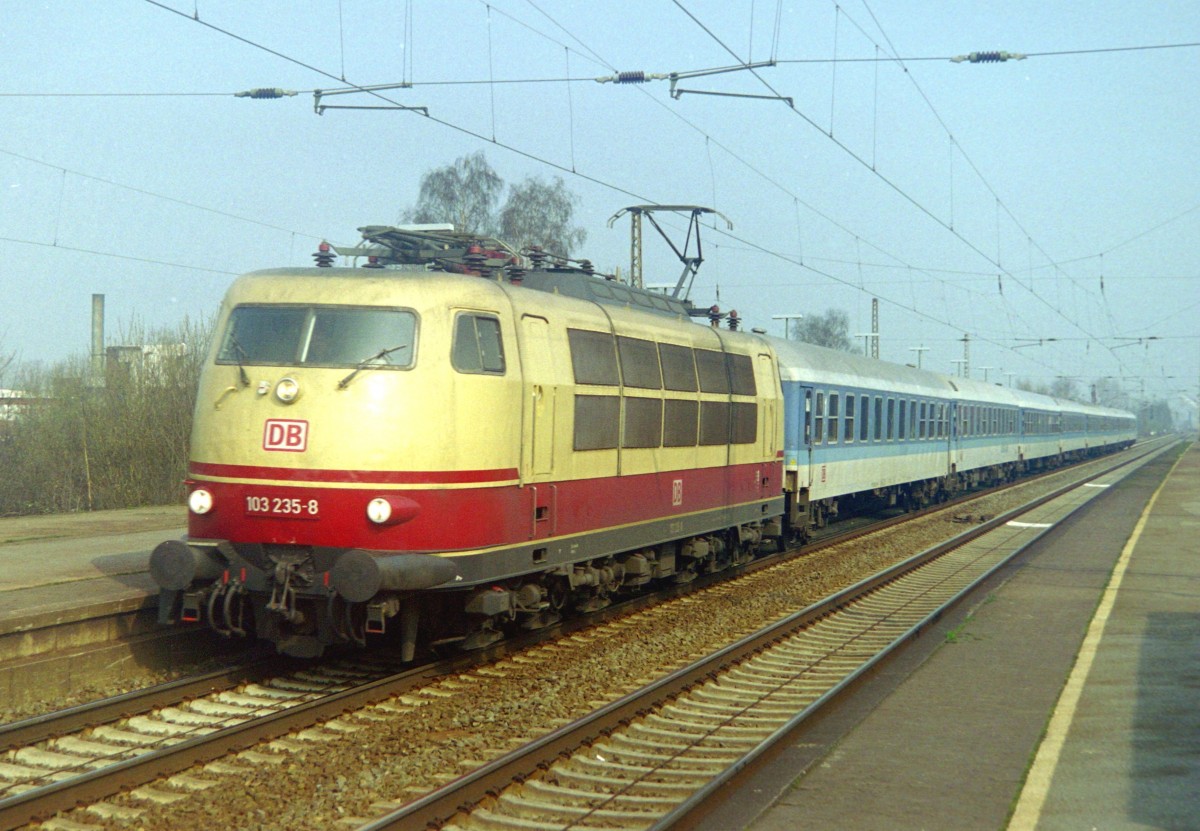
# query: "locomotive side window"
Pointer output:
{"type": "Point", "coordinates": [643, 422]}
{"type": "Point", "coordinates": [477, 347]}
{"type": "Point", "coordinates": [333, 336]}
{"type": "Point", "coordinates": [679, 426]}
{"type": "Point", "coordinates": [713, 375]}
{"type": "Point", "coordinates": [593, 357]}
{"type": "Point", "coordinates": [597, 421]}
{"type": "Point", "coordinates": [714, 422]}
{"type": "Point", "coordinates": [745, 423]}
{"type": "Point", "coordinates": [678, 367]}
{"type": "Point", "coordinates": [639, 363]}
{"type": "Point", "coordinates": [741, 374]}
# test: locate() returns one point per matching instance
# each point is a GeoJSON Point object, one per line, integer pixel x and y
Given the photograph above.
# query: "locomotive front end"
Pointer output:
{"type": "Point", "coordinates": [317, 488]}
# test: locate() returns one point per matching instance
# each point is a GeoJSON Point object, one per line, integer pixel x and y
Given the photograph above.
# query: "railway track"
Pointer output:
{"type": "Point", "coordinates": [650, 758]}
{"type": "Point", "coordinates": [51, 766]}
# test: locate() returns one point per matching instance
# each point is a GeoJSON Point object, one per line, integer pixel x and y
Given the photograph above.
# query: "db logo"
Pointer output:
{"type": "Point", "coordinates": [285, 434]}
{"type": "Point", "coordinates": [677, 492]}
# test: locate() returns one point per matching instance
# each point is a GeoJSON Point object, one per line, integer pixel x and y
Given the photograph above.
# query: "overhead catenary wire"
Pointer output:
{"type": "Point", "coordinates": [885, 179]}
{"type": "Point", "coordinates": [555, 165]}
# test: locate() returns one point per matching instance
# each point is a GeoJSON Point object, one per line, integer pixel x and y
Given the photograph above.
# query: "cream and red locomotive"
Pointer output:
{"type": "Point", "coordinates": [445, 455]}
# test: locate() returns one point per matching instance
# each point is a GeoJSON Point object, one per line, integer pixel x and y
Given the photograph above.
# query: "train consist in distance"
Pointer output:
{"type": "Point", "coordinates": [441, 446]}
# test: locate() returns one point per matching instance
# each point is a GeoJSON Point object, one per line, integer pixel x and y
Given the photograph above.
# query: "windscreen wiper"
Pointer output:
{"type": "Point", "coordinates": [241, 356]}
{"type": "Point", "coordinates": [366, 363]}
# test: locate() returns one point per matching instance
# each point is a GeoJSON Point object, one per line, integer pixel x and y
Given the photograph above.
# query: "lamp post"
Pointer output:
{"type": "Point", "coordinates": [787, 319]}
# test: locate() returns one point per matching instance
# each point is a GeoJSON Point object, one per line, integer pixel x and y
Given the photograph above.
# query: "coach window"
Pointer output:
{"type": "Point", "coordinates": [477, 347]}
{"type": "Point", "coordinates": [878, 417]}
{"type": "Point", "coordinates": [848, 436]}
{"type": "Point", "coordinates": [819, 419]}
{"type": "Point", "coordinates": [639, 363]}
{"type": "Point", "coordinates": [921, 421]}
{"type": "Point", "coordinates": [864, 417]}
{"type": "Point", "coordinates": [593, 357]}
{"type": "Point", "coordinates": [902, 418]}
{"type": "Point", "coordinates": [678, 367]}
{"type": "Point", "coordinates": [833, 418]}
{"type": "Point", "coordinates": [891, 419]}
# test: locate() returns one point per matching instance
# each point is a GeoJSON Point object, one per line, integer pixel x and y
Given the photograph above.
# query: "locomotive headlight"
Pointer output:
{"type": "Point", "coordinates": [287, 390]}
{"type": "Point", "coordinates": [392, 510]}
{"type": "Point", "coordinates": [379, 510]}
{"type": "Point", "coordinates": [200, 501]}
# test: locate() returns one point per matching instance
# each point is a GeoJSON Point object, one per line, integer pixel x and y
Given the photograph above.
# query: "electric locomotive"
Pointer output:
{"type": "Point", "coordinates": [441, 446]}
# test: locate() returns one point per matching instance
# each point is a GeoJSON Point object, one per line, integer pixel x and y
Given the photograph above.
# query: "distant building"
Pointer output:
{"type": "Point", "coordinates": [143, 362]}
{"type": "Point", "coordinates": [15, 403]}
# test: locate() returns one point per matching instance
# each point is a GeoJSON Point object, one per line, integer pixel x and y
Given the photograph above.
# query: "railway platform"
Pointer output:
{"type": "Point", "coordinates": [1064, 694]}
{"type": "Point", "coordinates": [59, 599]}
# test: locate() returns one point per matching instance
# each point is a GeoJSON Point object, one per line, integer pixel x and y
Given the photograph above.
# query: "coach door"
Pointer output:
{"type": "Point", "coordinates": [804, 475]}
{"type": "Point", "coordinates": [954, 456]}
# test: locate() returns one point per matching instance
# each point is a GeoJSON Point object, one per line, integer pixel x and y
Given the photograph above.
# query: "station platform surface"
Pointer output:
{"type": "Point", "coordinates": [1063, 694]}
{"type": "Point", "coordinates": [59, 568]}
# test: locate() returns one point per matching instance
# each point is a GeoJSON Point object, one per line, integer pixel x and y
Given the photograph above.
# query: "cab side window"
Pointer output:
{"type": "Point", "coordinates": [477, 345]}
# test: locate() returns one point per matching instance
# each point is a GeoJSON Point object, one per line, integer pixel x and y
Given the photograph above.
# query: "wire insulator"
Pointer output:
{"type": "Point", "coordinates": [636, 77]}
{"type": "Point", "coordinates": [264, 92]}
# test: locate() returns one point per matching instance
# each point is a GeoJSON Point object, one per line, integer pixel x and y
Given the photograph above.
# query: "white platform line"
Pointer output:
{"type": "Point", "coordinates": [1037, 783]}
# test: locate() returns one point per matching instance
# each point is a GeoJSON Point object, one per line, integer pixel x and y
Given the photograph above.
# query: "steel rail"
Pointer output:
{"type": "Point", "coordinates": [135, 702]}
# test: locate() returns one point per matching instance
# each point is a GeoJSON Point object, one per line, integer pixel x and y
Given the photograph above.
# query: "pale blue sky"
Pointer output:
{"type": "Point", "coordinates": [988, 199]}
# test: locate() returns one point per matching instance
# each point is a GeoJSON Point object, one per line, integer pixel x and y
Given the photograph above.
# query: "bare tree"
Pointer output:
{"type": "Point", "coordinates": [6, 360]}
{"type": "Point", "coordinates": [831, 330]}
{"type": "Point", "coordinates": [464, 193]}
{"type": "Point", "coordinates": [1064, 387]}
{"type": "Point", "coordinates": [539, 213]}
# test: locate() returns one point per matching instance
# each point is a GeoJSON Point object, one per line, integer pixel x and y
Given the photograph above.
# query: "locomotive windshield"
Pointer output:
{"type": "Point", "coordinates": [333, 336]}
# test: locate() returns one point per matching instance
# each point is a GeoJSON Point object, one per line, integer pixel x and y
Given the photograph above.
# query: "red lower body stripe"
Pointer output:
{"type": "Point", "coordinates": [468, 518]}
